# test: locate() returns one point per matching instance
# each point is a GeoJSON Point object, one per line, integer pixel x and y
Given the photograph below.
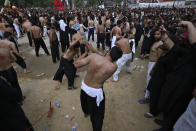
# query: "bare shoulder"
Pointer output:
{"type": "Point", "coordinates": [113, 67]}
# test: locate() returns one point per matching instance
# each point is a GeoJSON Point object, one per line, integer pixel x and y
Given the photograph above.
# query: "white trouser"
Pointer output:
{"type": "Point", "coordinates": [17, 28]}
{"type": "Point", "coordinates": [125, 59]}
{"type": "Point", "coordinates": [45, 31]}
{"type": "Point", "coordinates": [150, 66]}
{"type": "Point", "coordinates": [93, 92]}
{"type": "Point", "coordinates": [113, 41]}
{"type": "Point", "coordinates": [133, 47]}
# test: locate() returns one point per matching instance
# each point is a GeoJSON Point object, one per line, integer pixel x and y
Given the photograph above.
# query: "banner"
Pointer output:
{"type": "Point", "coordinates": [58, 5]}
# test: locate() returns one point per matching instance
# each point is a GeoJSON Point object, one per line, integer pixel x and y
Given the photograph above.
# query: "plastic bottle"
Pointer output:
{"type": "Point", "coordinates": [57, 104]}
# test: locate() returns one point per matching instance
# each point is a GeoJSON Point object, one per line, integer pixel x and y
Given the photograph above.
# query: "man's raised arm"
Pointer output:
{"type": "Point", "coordinates": [191, 31]}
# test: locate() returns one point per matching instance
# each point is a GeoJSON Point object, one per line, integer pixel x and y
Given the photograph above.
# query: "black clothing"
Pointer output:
{"type": "Point", "coordinates": [55, 51]}
{"type": "Point", "coordinates": [66, 67]}
{"type": "Point", "coordinates": [12, 116]}
{"type": "Point", "coordinates": [40, 42]}
{"type": "Point", "coordinates": [101, 39]}
{"type": "Point", "coordinates": [89, 106]}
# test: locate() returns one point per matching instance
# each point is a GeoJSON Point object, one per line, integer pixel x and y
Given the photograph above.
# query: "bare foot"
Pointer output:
{"type": "Point", "coordinates": [57, 87]}
{"type": "Point", "coordinates": [26, 71]}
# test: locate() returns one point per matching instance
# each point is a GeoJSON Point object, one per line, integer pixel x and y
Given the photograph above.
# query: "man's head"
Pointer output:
{"type": "Point", "coordinates": [7, 35]}
{"type": "Point", "coordinates": [115, 53]}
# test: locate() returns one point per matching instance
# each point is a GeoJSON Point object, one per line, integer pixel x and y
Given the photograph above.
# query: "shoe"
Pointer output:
{"type": "Point", "coordinates": [159, 122]}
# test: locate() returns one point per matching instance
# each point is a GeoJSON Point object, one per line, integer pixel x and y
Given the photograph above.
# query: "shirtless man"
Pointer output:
{"type": "Point", "coordinates": [6, 68]}
{"type": "Point", "coordinates": [37, 39]}
{"type": "Point", "coordinates": [99, 70]}
{"type": "Point", "coordinates": [116, 32]}
{"type": "Point", "coordinates": [43, 22]}
{"type": "Point", "coordinates": [124, 45]}
{"type": "Point", "coordinates": [66, 63]}
{"type": "Point", "coordinates": [11, 94]}
{"type": "Point", "coordinates": [100, 35]}
{"type": "Point", "coordinates": [107, 30]}
{"type": "Point", "coordinates": [54, 44]}
{"type": "Point", "coordinates": [7, 43]}
{"type": "Point", "coordinates": [27, 27]}
{"type": "Point", "coordinates": [91, 28]}
{"type": "Point", "coordinates": [17, 27]}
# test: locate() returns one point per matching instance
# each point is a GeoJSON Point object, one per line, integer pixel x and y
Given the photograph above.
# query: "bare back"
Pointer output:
{"type": "Point", "coordinates": [91, 23]}
{"type": "Point", "coordinates": [27, 25]}
{"type": "Point", "coordinates": [5, 59]}
{"type": "Point", "coordinates": [36, 31]}
{"type": "Point", "coordinates": [124, 45]}
{"type": "Point", "coordinates": [99, 70]}
{"type": "Point", "coordinates": [100, 29]}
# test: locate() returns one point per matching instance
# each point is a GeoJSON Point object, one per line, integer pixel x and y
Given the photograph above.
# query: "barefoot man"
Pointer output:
{"type": "Point", "coordinates": [125, 59]}
{"type": "Point", "coordinates": [27, 27]}
{"type": "Point", "coordinates": [116, 32]}
{"type": "Point", "coordinates": [99, 70]}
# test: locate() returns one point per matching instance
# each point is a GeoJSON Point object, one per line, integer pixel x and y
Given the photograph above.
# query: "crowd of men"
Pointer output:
{"type": "Point", "coordinates": [168, 42]}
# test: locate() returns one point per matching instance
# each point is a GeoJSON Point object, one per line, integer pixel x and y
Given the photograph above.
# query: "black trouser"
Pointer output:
{"type": "Point", "coordinates": [108, 42]}
{"type": "Point", "coordinates": [171, 116]}
{"type": "Point", "coordinates": [91, 32]}
{"type": "Point", "coordinates": [55, 51]}
{"type": "Point", "coordinates": [66, 67]}
{"type": "Point", "coordinates": [29, 38]}
{"type": "Point", "coordinates": [89, 106]}
{"type": "Point", "coordinates": [38, 42]}
{"type": "Point", "coordinates": [101, 39]}
{"type": "Point", "coordinates": [20, 61]}
{"type": "Point", "coordinates": [11, 76]}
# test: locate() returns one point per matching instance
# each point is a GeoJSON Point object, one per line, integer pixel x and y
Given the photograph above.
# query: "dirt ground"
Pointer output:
{"type": "Point", "coordinates": [122, 111]}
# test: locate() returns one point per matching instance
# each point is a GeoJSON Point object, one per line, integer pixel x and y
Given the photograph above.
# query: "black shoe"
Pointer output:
{"type": "Point", "coordinates": [159, 122]}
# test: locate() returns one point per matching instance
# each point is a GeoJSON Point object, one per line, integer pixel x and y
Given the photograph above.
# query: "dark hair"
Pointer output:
{"type": "Point", "coordinates": [119, 22]}
{"type": "Point", "coordinates": [7, 34]}
{"type": "Point", "coordinates": [115, 53]}
{"type": "Point", "coordinates": [77, 45]}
